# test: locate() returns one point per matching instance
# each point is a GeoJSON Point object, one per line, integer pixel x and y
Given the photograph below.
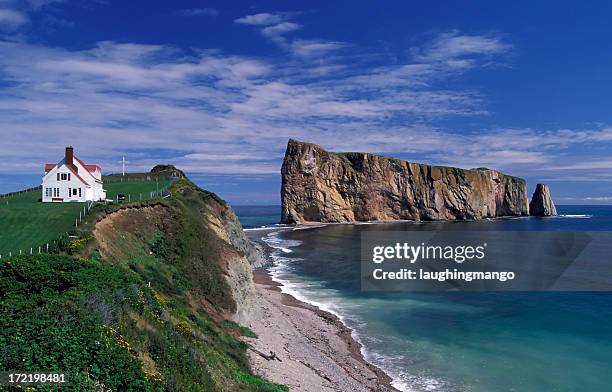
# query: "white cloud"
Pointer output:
{"type": "Point", "coordinates": [454, 48]}
{"type": "Point", "coordinates": [276, 32]}
{"type": "Point", "coordinates": [280, 29]}
{"type": "Point", "coordinates": [314, 48]}
{"type": "Point", "coordinates": [215, 113]}
{"type": "Point", "coordinates": [276, 26]}
{"type": "Point", "coordinates": [200, 12]}
{"type": "Point", "coordinates": [264, 19]}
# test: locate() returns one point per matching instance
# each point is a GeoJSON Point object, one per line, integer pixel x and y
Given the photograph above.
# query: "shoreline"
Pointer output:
{"type": "Point", "coordinates": [317, 350]}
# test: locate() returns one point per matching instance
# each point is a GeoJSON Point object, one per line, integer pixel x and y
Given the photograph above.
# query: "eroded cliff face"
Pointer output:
{"type": "Point", "coordinates": [197, 236]}
{"type": "Point", "coordinates": [541, 202]}
{"type": "Point", "coordinates": [319, 186]}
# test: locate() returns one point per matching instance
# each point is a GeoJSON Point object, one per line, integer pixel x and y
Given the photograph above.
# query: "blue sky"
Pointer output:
{"type": "Point", "coordinates": [218, 88]}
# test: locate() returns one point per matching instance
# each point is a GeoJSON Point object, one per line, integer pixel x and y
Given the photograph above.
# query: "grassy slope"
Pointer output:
{"type": "Point", "coordinates": [25, 222]}
{"type": "Point", "coordinates": [97, 317]}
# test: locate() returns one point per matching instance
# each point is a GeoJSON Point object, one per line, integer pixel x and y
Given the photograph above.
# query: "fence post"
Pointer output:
{"type": "Point", "coordinates": [47, 247]}
{"type": "Point", "coordinates": [30, 250]}
{"type": "Point", "coordinates": [39, 249]}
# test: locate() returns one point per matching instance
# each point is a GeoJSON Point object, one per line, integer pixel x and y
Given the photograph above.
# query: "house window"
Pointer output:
{"type": "Point", "coordinates": [74, 191]}
{"type": "Point", "coordinates": [79, 192]}
{"type": "Point", "coordinates": [48, 192]}
{"type": "Point", "coordinates": [64, 176]}
{"type": "Point", "coordinates": [55, 192]}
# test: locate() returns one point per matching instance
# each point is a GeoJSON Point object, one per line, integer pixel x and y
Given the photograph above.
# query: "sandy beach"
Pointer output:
{"type": "Point", "coordinates": [316, 351]}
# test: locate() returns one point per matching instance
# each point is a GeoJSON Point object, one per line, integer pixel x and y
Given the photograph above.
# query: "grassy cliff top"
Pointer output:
{"type": "Point", "coordinates": [137, 304]}
{"type": "Point", "coordinates": [28, 223]}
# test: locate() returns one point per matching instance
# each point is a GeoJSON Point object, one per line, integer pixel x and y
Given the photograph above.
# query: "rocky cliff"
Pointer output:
{"type": "Point", "coordinates": [541, 202]}
{"type": "Point", "coordinates": [320, 186]}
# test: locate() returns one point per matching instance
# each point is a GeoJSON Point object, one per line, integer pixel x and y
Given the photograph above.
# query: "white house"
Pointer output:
{"type": "Point", "coordinates": [72, 180]}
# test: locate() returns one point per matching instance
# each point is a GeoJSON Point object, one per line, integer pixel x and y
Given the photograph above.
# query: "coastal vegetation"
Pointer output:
{"type": "Point", "coordinates": [137, 302]}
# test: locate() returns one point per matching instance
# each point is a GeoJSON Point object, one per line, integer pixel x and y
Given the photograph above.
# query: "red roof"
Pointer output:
{"type": "Point", "coordinates": [77, 174]}
{"type": "Point", "coordinates": [90, 168]}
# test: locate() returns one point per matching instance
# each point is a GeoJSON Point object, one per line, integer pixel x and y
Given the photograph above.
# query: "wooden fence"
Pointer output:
{"type": "Point", "coordinates": [161, 193]}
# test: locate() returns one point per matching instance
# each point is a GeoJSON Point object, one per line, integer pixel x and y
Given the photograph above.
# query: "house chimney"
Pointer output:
{"type": "Point", "coordinates": [69, 159]}
{"type": "Point", "coordinates": [69, 155]}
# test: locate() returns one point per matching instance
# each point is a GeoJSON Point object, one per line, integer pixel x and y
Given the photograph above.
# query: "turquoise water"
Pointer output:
{"type": "Point", "coordinates": [258, 216]}
{"type": "Point", "coordinates": [541, 341]}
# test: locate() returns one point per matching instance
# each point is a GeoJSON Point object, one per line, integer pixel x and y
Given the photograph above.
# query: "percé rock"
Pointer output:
{"type": "Point", "coordinates": [320, 186]}
{"type": "Point", "coordinates": [541, 202]}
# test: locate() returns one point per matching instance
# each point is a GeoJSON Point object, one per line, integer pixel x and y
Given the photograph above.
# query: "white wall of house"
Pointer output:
{"type": "Point", "coordinates": [63, 184]}
{"type": "Point", "coordinates": [63, 189]}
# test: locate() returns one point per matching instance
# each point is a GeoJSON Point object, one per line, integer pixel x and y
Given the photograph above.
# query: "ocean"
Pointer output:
{"type": "Point", "coordinates": [459, 341]}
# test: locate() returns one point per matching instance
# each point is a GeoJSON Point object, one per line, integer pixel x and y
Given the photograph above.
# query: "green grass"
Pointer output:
{"type": "Point", "coordinates": [25, 222]}
{"type": "Point", "coordinates": [134, 188]}
{"type": "Point", "coordinates": [147, 317]}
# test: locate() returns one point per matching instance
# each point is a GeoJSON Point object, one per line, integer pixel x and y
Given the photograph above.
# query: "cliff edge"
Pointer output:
{"type": "Point", "coordinates": [321, 186]}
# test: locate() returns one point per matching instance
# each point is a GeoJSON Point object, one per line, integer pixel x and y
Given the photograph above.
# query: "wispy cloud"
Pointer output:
{"type": "Point", "coordinates": [264, 19]}
{"type": "Point", "coordinates": [587, 199]}
{"type": "Point", "coordinates": [199, 12]}
{"type": "Point", "coordinates": [276, 27]}
{"type": "Point", "coordinates": [12, 19]}
{"type": "Point", "coordinates": [276, 32]}
{"type": "Point", "coordinates": [458, 48]}
{"type": "Point", "coordinates": [14, 15]}
{"type": "Point", "coordinates": [38, 4]}
{"type": "Point", "coordinates": [218, 113]}
{"type": "Point", "coordinates": [314, 48]}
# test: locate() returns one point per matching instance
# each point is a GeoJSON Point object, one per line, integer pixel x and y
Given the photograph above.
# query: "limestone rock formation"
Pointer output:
{"type": "Point", "coordinates": [541, 202]}
{"type": "Point", "coordinates": [320, 186]}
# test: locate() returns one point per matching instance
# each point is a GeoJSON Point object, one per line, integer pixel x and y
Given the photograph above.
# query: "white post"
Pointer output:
{"type": "Point", "coordinates": [10, 254]}
{"type": "Point", "coordinates": [47, 247]}
{"type": "Point", "coordinates": [19, 252]}
{"type": "Point", "coordinates": [39, 249]}
{"type": "Point", "coordinates": [80, 216]}
{"type": "Point", "coordinates": [76, 223]}
{"type": "Point", "coordinates": [30, 250]}
{"type": "Point", "coordinates": [130, 197]}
